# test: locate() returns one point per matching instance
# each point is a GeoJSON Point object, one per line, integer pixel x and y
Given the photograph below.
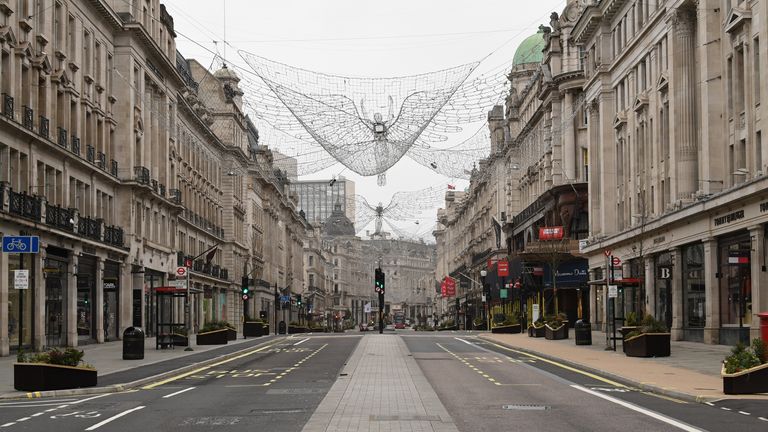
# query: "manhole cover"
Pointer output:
{"type": "Point", "coordinates": [211, 421]}
{"type": "Point", "coordinates": [525, 407]}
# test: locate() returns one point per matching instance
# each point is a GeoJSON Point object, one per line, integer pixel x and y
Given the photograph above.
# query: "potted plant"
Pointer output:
{"type": "Point", "coordinates": [54, 369]}
{"type": "Point", "coordinates": [253, 328]}
{"type": "Point", "coordinates": [231, 331]}
{"type": "Point", "coordinates": [509, 325]}
{"type": "Point", "coordinates": [651, 339]}
{"type": "Point", "coordinates": [537, 328]}
{"type": "Point", "coordinates": [479, 323]}
{"type": "Point", "coordinates": [745, 370]}
{"type": "Point", "coordinates": [448, 325]}
{"type": "Point", "coordinates": [556, 327]}
{"type": "Point", "coordinates": [294, 327]}
{"type": "Point", "coordinates": [631, 323]}
{"type": "Point", "coordinates": [213, 333]}
{"type": "Point", "coordinates": [179, 336]}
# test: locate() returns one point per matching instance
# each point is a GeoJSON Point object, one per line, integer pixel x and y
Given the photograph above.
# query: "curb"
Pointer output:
{"type": "Point", "coordinates": [116, 388]}
{"type": "Point", "coordinates": [618, 378]}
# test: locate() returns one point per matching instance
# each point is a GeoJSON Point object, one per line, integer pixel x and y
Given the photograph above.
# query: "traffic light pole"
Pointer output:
{"type": "Point", "coordinates": [381, 312]}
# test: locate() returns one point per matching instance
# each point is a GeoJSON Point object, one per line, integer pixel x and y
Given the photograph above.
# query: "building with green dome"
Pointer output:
{"type": "Point", "coordinates": [531, 49]}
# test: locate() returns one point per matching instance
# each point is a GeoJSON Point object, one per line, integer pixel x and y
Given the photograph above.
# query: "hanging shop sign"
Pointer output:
{"type": "Point", "coordinates": [503, 268]}
{"type": "Point", "coordinates": [551, 233]}
{"type": "Point", "coordinates": [450, 286]}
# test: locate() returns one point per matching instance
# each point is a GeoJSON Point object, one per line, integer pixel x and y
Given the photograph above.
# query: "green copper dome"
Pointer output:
{"type": "Point", "coordinates": [530, 50]}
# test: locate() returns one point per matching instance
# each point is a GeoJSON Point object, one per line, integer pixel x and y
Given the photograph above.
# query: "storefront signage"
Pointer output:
{"type": "Point", "coordinates": [21, 279]}
{"type": "Point", "coordinates": [110, 285]}
{"type": "Point", "coordinates": [665, 272]}
{"type": "Point", "coordinates": [178, 283]}
{"type": "Point", "coordinates": [551, 233]}
{"type": "Point", "coordinates": [442, 288]}
{"type": "Point", "coordinates": [730, 217]}
{"type": "Point", "coordinates": [659, 239]}
{"type": "Point", "coordinates": [503, 268]}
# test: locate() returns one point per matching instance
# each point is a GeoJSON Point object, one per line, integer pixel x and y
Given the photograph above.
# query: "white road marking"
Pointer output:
{"type": "Point", "coordinates": [178, 392]}
{"type": "Point", "coordinates": [87, 399]}
{"type": "Point", "coordinates": [32, 403]}
{"type": "Point", "coordinates": [763, 419]}
{"type": "Point", "coordinates": [301, 342]}
{"type": "Point", "coordinates": [8, 424]}
{"type": "Point", "coordinates": [633, 407]}
{"type": "Point", "coordinates": [466, 342]}
{"type": "Point", "coordinates": [23, 419]}
{"type": "Point", "coordinates": [725, 408]}
{"type": "Point", "coordinates": [114, 417]}
{"type": "Point", "coordinates": [745, 413]}
{"type": "Point", "coordinates": [709, 403]}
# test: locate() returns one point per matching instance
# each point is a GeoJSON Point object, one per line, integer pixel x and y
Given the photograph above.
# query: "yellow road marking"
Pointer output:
{"type": "Point", "coordinates": [204, 368]}
{"type": "Point", "coordinates": [563, 366]}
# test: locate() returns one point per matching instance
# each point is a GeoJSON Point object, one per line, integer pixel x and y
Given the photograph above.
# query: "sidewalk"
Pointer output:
{"type": "Point", "coordinates": [107, 358]}
{"type": "Point", "coordinates": [381, 388]}
{"type": "Point", "coordinates": [692, 372]}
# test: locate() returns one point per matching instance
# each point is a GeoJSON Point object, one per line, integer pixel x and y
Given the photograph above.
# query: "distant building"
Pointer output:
{"type": "Point", "coordinates": [318, 197]}
{"type": "Point", "coordinates": [286, 163]}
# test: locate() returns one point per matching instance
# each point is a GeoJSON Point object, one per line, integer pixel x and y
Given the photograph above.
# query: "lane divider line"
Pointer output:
{"type": "Point", "coordinates": [633, 407]}
{"type": "Point", "coordinates": [114, 417]}
{"type": "Point", "coordinates": [178, 392]}
{"type": "Point", "coordinates": [301, 342]}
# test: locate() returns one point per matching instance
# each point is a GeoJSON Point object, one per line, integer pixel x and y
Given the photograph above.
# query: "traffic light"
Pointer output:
{"type": "Point", "coordinates": [379, 281]}
{"type": "Point", "coordinates": [298, 300]}
{"type": "Point", "coordinates": [245, 290]}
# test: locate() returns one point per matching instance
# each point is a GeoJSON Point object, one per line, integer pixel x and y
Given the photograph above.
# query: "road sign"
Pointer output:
{"type": "Point", "coordinates": [21, 244]}
{"type": "Point", "coordinates": [285, 299]}
{"type": "Point", "coordinates": [616, 261]}
{"type": "Point", "coordinates": [613, 291]}
{"type": "Point", "coordinates": [245, 296]}
{"type": "Point", "coordinates": [181, 271]}
{"type": "Point", "coordinates": [607, 252]}
{"type": "Point", "coordinates": [21, 279]}
{"type": "Point", "coordinates": [178, 283]}
{"type": "Point", "coordinates": [188, 263]}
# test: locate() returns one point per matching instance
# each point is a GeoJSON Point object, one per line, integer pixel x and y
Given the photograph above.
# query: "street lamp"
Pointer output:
{"type": "Point", "coordinates": [483, 274]}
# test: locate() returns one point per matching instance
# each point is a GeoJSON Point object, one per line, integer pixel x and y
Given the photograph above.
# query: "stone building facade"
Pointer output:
{"type": "Point", "coordinates": [123, 165]}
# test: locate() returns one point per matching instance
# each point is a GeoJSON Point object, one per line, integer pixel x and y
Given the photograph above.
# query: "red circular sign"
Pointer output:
{"type": "Point", "coordinates": [616, 261]}
{"type": "Point", "coordinates": [245, 296]}
{"type": "Point", "coordinates": [181, 271]}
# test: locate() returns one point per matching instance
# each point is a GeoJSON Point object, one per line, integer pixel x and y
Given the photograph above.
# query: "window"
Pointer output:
{"type": "Point", "coordinates": [756, 67]}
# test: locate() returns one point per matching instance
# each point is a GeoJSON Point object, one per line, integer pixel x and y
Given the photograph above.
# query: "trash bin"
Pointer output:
{"type": "Point", "coordinates": [583, 330]}
{"type": "Point", "coordinates": [133, 344]}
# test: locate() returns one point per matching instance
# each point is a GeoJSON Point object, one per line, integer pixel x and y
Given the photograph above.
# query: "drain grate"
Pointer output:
{"type": "Point", "coordinates": [525, 407]}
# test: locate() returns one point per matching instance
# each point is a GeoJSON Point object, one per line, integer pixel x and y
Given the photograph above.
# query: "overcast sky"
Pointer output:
{"type": "Point", "coordinates": [367, 39]}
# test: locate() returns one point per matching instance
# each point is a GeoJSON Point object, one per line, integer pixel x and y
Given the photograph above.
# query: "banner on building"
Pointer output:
{"type": "Point", "coordinates": [450, 286]}
{"type": "Point", "coordinates": [551, 233]}
{"type": "Point", "coordinates": [503, 268]}
{"type": "Point", "coordinates": [442, 288]}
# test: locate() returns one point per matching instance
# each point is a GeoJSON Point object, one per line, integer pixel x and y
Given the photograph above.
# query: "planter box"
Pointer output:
{"type": "Point", "coordinates": [179, 340]}
{"type": "Point", "coordinates": [648, 345]}
{"type": "Point", "coordinates": [556, 333]}
{"type": "Point", "coordinates": [514, 329]}
{"type": "Point", "coordinates": [447, 328]}
{"type": "Point", "coordinates": [297, 329]}
{"type": "Point", "coordinates": [753, 380]}
{"type": "Point", "coordinates": [253, 329]}
{"type": "Point", "coordinates": [627, 330]}
{"type": "Point", "coordinates": [537, 332]}
{"type": "Point", "coordinates": [42, 377]}
{"type": "Point", "coordinates": [231, 334]}
{"type": "Point", "coordinates": [216, 337]}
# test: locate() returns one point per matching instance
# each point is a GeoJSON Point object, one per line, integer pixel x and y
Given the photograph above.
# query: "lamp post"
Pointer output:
{"type": "Point", "coordinates": [483, 274]}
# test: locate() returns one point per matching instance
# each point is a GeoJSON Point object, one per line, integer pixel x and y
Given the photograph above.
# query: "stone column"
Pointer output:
{"type": "Point", "coordinates": [677, 294]}
{"type": "Point", "coordinates": [711, 292]}
{"type": "Point", "coordinates": [684, 87]}
{"type": "Point", "coordinates": [650, 286]}
{"type": "Point", "coordinates": [38, 308]}
{"type": "Point", "coordinates": [4, 340]}
{"type": "Point", "coordinates": [569, 156]}
{"type": "Point", "coordinates": [594, 165]}
{"type": "Point", "coordinates": [71, 300]}
{"type": "Point", "coordinates": [759, 277]}
{"type": "Point", "coordinates": [125, 298]}
{"type": "Point", "coordinates": [99, 300]}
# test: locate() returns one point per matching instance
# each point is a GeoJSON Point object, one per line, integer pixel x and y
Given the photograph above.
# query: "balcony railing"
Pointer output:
{"type": "Point", "coordinates": [161, 189]}
{"type": "Point", "coordinates": [153, 184]}
{"type": "Point", "coordinates": [89, 228]}
{"type": "Point", "coordinates": [62, 137]}
{"type": "Point", "coordinates": [113, 167]}
{"type": "Point", "coordinates": [175, 195]}
{"type": "Point", "coordinates": [8, 106]}
{"type": "Point", "coordinates": [75, 145]}
{"type": "Point", "coordinates": [25, 205]}
{"type": "Point", "coordinates": [101, 160]}
{"type": "Point", "coordinates": [28, 118]}
{"type": "Point", "coordinates": [215, 271]}
{"type": "Point", "coordinates": [114, 235]}
{"type": "Point", "coordinates": [224, 274]}
{"type": "Point", "coordinates": [90, 153]}
{"type": "Point", "coordinates": [198, 265]}
{"type": "Point", "coordinates": [59, 217]}
{"type": "Point", "coordinates": [45, 127]}
{"type": "Point", "coordinates": [141, 174]}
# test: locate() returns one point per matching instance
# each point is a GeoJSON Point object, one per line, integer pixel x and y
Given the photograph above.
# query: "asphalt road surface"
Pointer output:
{"type": "Point", "coordinates": [273, 389]}
{"type": "Point", "coordinates": [484, 387]}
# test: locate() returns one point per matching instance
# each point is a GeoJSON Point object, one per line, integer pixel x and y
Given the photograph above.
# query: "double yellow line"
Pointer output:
{"type": "Point", "coordinates": [196, 371]}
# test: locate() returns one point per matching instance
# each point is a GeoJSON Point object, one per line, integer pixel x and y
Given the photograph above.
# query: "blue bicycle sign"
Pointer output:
{"type": "Point", "coordinates": [21, 244]}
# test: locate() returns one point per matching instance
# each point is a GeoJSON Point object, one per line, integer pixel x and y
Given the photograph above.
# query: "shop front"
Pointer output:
{"type": "Point", "coordinates": [694, 295]}
{"type": "Point", "coordinates": [568, 291]}
{"type": "Point", "coordinates": [86, 299]}
{"type": "Point", "coordinates": [111, 287]}
{"type": "Point", "coordinates": [735, 275]}
{"type": "Point", "coordinates": [21, 302]}
{"type": "Point", "coordinates": [56, 299]}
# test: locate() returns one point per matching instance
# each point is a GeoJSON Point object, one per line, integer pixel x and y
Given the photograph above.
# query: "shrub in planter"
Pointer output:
{"type": "Point", "coordinates": [556, 327]}
{"type": "Point", "coordinates": [509, 325]}
{"type": "Point", "coordinates": [214, 333]}
{"type": "Point", "coordinates": [479, 323]}
{"type": "Point", "coordinates": [537, 329]}
{"type": "Point", "coordinates": [745, 370]}
{"type": "Point", "coordinates": [179, 337]}
{"type": "Point", "coordinates": [53, 370]}
{"type": "Point", "coordinates": [651, 339]}
{"type": "Point", "coordinates": [631, 323]}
